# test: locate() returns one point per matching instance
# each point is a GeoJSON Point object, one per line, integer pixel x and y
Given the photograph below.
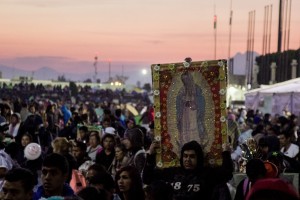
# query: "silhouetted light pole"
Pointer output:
{"type": "Point", "coordinates": [279, 27]}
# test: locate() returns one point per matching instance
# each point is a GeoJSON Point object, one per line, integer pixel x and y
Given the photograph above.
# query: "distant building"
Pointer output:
{"type": "Point", "coordinates": [282, 63]}
{"type": "Point", "coordinates": [236, 90]}
{"type": "Point", "coordinates": [112, 85]}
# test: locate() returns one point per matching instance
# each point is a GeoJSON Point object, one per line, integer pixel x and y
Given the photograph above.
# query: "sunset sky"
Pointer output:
{"type": "Point", "coordinates": [67, 34]}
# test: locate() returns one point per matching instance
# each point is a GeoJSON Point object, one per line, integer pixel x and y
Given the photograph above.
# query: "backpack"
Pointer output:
{"type": "Point", "coordinates": [141, 151]}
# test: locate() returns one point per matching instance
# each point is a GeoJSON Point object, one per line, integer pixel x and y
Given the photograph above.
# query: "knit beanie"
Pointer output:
{"type": "Point", "coordinates": [272, 188]}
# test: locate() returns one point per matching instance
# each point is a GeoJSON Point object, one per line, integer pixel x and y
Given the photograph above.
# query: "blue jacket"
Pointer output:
{"type": "Point", "coordinates": [66, 114]}
{"type": "Point", "coordinates": [67, 191]}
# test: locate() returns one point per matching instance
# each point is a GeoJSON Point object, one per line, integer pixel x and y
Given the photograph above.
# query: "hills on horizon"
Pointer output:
{"type": "Point", "coordinates": [47, 73]}
{"type": "Point", "coordinates": [43, 73]}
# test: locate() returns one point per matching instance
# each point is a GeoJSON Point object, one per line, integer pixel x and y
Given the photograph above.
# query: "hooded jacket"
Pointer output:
{"type": "Point", "coordinates": [199, 183]}
{"type": "Point", "coordinates": [66, 114]}
{"type": "Point", "coordinates": [137, 157]}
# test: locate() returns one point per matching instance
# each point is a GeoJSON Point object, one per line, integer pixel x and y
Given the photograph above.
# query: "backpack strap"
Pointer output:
{"type": "Point", "coordinates": [245, 185]}
{"type": "Point", "coordinates": [137, 153]}
{"type": "Point", "coordinates": [142, 151]}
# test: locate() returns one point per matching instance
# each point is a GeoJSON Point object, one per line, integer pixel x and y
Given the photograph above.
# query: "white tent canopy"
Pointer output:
{"type": "Point", "coordinates": [292, 85]}
{"type": "Point", "coordinates": [276, 98]}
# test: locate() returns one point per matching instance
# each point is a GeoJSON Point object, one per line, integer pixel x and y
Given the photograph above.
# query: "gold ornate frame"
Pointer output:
{"type": "Point", "coordinates": [210, 77]}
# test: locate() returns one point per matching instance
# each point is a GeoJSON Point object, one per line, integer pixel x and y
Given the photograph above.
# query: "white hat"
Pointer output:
{"type": "Point", "coordinates": [110, 130]}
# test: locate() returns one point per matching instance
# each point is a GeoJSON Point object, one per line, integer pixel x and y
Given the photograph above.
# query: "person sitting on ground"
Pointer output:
{"type": "Point", "coordinates": [255, 170]}
{"type": "Point", "coordinates": [33, 125]}
{"type": "Point", "coordinates": [284, 163]}
{"type": "Point", "coordinates": [79, 153]}
{"type": "Point", "coordinates": [18, 185]}
{"type": "Point", "coordinates": [32, 165]}
{"type": "Point", "coordinates": [62, 146]}
{"type": "Point", "coordinates": [55, 171]}
{"type": "Point", "coordinates": [93, 170]}
{"type": "Point", "coordinates": [15, 122]}
{"type": "Point", "coordinates": [83, 135]}
{"type": "Point", "coordinates": [106, 156]}
{"type": "Point", "coordinates": [91, 193]}
{"type": "Point", "coordinates": [129, 184]}
{"type": "Point", "coordinates": [130, 125]}
{"type": "Point", "coordinates": [135, 149]}
{"type": "Point", "coordinates": [106, 122]}
{"type": "Point", "coordinates": [120, 160]}
{"type": "Point", "coordinates": [6, 164]}
{"type": "Point", "coordinates": [94, 145]}
{"type": "Point", "coordinates": [104, 182]}
{"type": "Point", "coordinates": [268, 144]}
{"type": "Point", "coordinates": [12, 149]}
{"type": "Point", "coordinates": [159, 190]}
{"type": "Point", "coordinates": [25, 140]}
{"type": "Point", "coordinates": [287, 147]}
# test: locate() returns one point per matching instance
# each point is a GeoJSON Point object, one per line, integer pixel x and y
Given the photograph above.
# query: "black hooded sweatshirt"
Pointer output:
{"type": "Point", "coordinates": [201, 183]}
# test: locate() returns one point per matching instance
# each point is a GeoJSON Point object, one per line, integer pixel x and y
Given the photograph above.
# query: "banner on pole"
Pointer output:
{"type": "Point", "coordinates": [189, 104]}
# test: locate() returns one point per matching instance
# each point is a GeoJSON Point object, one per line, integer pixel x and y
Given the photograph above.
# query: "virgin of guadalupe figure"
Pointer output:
{"type": "Point", "coordinates": [190, 107]}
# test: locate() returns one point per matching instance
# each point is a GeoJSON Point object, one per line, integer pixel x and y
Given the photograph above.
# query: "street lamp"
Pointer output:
{"type": "Point", "coordinates": [144, 72]}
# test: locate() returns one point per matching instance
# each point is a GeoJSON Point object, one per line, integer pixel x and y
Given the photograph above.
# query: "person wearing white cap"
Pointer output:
{"type": "Point", "coordinates": [110, 130]}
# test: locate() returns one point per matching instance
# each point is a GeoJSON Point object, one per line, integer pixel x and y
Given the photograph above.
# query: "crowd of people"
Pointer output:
{"type": "Point", "coordinates": [97, 149]}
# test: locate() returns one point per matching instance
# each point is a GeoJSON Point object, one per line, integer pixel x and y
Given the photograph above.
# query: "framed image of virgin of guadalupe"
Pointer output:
{"type": "Point", "coordinates": [189, 104]}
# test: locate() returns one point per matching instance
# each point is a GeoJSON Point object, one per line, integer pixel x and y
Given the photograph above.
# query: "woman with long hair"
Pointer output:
{"type": "Point", "coordinates": [120, 160]}
{"type": "Point", "coordinates": [134, 145]}
{"type": "Point", "coordinates": [129, 184]}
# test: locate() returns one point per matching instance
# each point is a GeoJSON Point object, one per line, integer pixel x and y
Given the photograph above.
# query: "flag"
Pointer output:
{"type": "Point", "coordinates": [96, 60]}
{"type": "Point", "coordinates": [230, 20]}
{"type": "Point", "coordinates": [215, 21]}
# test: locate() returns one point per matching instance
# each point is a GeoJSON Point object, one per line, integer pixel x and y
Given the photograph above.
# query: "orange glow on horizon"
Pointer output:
{"type": "Point", "coordinates": [65, 32]}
